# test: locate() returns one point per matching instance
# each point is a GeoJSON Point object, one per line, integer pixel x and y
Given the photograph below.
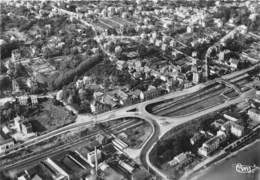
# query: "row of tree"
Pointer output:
{"type": "Point", "coordinates": [65, 78]}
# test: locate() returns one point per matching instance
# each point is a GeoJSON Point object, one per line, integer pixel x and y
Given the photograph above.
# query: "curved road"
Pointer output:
{"type": "Point", "coordinates": [161, 125]}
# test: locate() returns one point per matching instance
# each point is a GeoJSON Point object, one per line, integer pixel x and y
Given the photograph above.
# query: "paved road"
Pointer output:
{"type": "Point", "coordinates": [158, 123]}
{"type": "Point", "coordinates": [161, 125]}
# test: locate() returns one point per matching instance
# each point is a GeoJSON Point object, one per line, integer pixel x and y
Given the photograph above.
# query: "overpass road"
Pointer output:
{"type": "Point", "coordinates": [161, 125]}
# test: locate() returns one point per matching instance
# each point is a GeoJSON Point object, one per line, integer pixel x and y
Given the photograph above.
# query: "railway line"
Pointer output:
{"type": "Point", "coordinates": [190, 98]}
{"type": "Point", "coordinates": [171, 110]}
{"type": "Point", "coordinates": [209, 91]}
{"type": "Point", "coordinates": [32, 157]}
{"type": "Point", "coordinates": [170, 102]}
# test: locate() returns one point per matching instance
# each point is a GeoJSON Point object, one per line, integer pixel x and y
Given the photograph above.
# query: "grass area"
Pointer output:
{"type": "Point", "coordinates": [51, 117]}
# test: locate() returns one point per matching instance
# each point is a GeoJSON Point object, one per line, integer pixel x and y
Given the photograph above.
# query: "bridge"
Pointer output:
{"type": "Point", "coordinates": [229, 84]}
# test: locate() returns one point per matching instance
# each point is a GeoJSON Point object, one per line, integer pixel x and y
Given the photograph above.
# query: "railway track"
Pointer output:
{"type": "Point", "coordinates": [195, 95]}
{"type": "Point", "coordinates": [169, 111]}
{"type": "Point", "coordinates": [32, 157]}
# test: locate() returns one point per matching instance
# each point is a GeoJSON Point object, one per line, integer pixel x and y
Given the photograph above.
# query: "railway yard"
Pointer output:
{"type": "Point", "coordinates": [214, 93]}
{"type": "Point", "coordinates": [34, 154]}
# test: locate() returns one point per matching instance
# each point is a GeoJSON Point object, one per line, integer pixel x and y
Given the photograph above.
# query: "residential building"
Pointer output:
{"type": "Point", "coordinates": [110, 100]}
{"type": "Point", "coordinates": [17, 123]}
{"type": "Point", "coordinates": [6, 142]}
{"type": "Point", "coordinates": [16, 56]}
{"type": "Point", "coordinates": [226, 126]}
{"type": "Point", "coordinates": [99, 107]}
{"type": "Point", "coordinates": [196, 77]}
{"type": "Point", "coordinates": [34, 99]}
{"type": "Point", "coordinates": [237, 129]}
{"type": "Point", "coordinates": [153, 93]}
{"type": "Point", "coordinates": [254, 114]}
{"type": "Point", "coordinates": [23, 100]}
{"type": "Point", "coordinates": [26, 128]}
{"type": "Point", "coordinates": [182, 159]}
{"type": "Point", "coordinates": [15, 86]}
{"type": "Point", "coordinates": [31, 83]}
{"type": "Point", "coordinates": [218, 123]}
{"type": "Point", "coordinates": [234, 63]}
{"type": "Point", "coordinates": [211, 145]}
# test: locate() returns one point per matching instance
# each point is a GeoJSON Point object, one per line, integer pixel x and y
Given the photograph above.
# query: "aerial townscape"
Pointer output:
{"type": "Point", "coordinates": [130, 90]}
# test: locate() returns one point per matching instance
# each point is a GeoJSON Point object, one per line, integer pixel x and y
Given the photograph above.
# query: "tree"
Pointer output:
{"type": "Point", "coordinates": [68, 76]}
{"type": "Point", "coordinates": [3, 69]}
{"type": "Point", "coordinates": [5, 82]}
{"type": "Point", "coordinates": [7, 48]}
{"type": "Point", "coordinates": [19, 70]}
{"type": "Point", "coordinates": [85, 107]}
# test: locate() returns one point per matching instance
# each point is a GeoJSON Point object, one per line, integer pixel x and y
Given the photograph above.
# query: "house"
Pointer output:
{"type": "Point", "coordinates": [97, 95]}
{"type": "Point", "coordinates": [26, 128]}
{"type": "Point", "coordinates": [121, 94]}
{"type": "Point", "coordinates": [17, 123]}
{"type": "Point", "coordinates": [223, 55]}
{"type": "Point", "coordinates": [110, 100]}
{"type": "Point", "coordinates": [182, 159]}
{"type": "Point", "coordinates": [99, 107]}
{"type": "Point", "coordinates": [100, 138]}
{"type": "Point", "coordinates": [23, 100]}
{"type": "Point", "coordinates": [254, 114]}
{"type": "Point", "coordinates": [226, 126]}
{"type": "Point", "coordinates": [15, 86]}
{"type": "Point", "coordinates": [16, 56]}
{"type": "Point", "coordinates": [6, 142]}
{"type": "Point", "coordinates": [137, 94]}
{"type": "Point", "coordinates": [234, 63]}
{"type": "Point", "coordinates": [237, 129]}
{"type": "Point", "coordinates": [31, 83]}
{"type": "Point", "coordinates": [196, 77]}
{"type": "Point", "coordinates": [158, 43]}
{"type": "Point", "coordinates": [34, 99]}
{"type": "Point", "coordinates": [218, 123]}
{"type": "Point", "coordinates": [211, 145]}
{"type": "Point", "coordinates": [153, 93]}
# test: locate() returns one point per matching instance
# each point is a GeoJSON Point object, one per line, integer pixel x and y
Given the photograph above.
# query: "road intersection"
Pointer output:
{"type": "Point", "coordinates": [161, 125]}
